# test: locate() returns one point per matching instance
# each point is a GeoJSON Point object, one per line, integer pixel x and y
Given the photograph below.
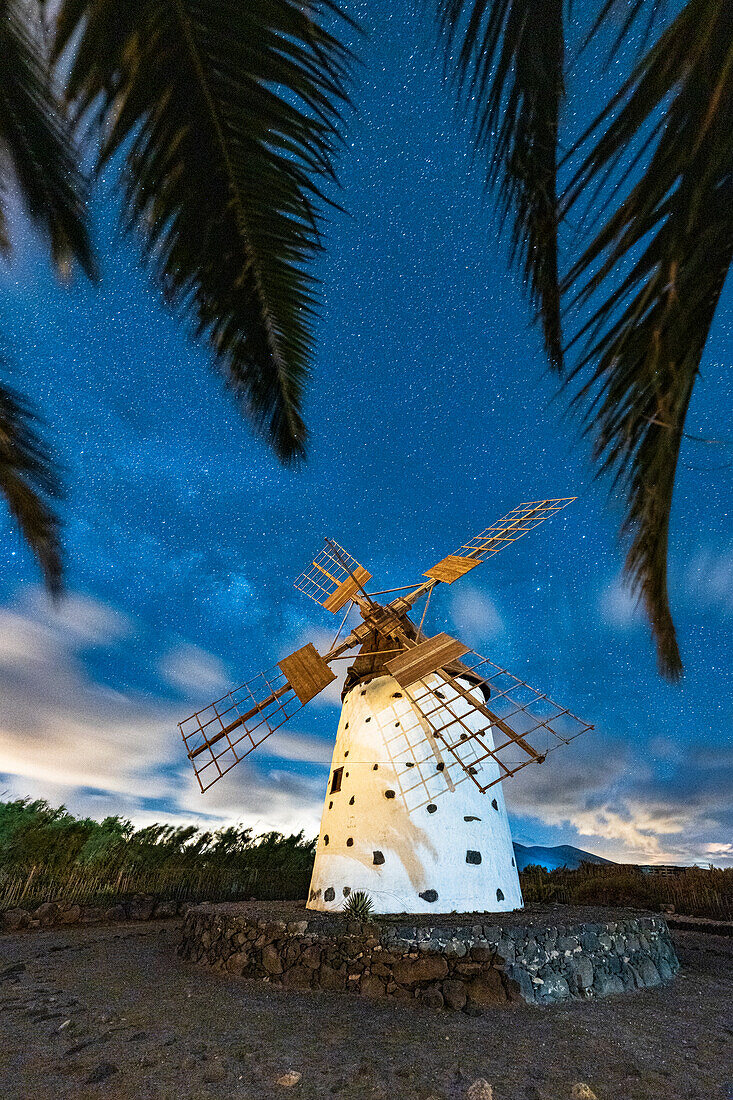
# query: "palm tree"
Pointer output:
{"type": "Point", "coordinates": [38, 164]}
{"type": "Point", "coordinates": [660, 155]}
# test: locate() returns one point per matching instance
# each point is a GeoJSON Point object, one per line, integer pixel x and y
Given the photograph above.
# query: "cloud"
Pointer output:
{"type": "Point", "coordinates": [618, 607]}
{"type": "Point", "coordinates": [262, 799]}
{"type": "Point", "coordinates": [709, 579]}
{"type": "Point", "coordinates": [57, 724]}
{"type": "Point", "coordinates": [194, 671]}
{"type": "Point", "coordinates": [610, 796]}
{"type": "Point", "coordinates": [475, 615]}
{"type": "Point", "coordinates": [70, 739]}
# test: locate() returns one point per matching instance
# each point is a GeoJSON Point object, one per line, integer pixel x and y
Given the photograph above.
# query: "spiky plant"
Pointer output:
{"type": "Point", "coordinates": [652, 276]}
{"type": "Point", "coordinates": [228, 114]}
{"type": "Point", "coordinates": [38, 162]}
{"type": "Point", "coordinates": [359, 905]}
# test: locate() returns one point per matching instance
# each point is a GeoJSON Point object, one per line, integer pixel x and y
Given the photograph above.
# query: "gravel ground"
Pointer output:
{"type": "Point", "coordinates": [541, 915]}
{"type": "Point", "coordinates": [111, 1012]}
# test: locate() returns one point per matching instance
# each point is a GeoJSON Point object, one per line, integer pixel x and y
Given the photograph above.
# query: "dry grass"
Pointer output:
{"type": "Point", "coordinates": [693, 891]}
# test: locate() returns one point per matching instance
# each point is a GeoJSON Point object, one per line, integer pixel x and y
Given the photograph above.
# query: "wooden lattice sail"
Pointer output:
{"type": "Point", "coordinates": [334, 577]}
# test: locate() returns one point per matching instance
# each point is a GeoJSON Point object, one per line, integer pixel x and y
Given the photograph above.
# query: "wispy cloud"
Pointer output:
{"type": "Point", "coordinates": [194, 671]}
{"type": "Point", "coordinates": [708, 579]}
{"type": "Point", "coordinates": [60, 726]}
{"type": "Point", "coordinates": [475, 615]}
{"type": "Point", "coordinates": [618, 607]}
{"type": "Point", "coordinates": [101, 750]}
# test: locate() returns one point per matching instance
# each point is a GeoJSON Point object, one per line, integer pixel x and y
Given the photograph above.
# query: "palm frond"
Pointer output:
{"type": "Point", "coordinates": [30, 484]}
{"type": "Point", "coordinates": [38, 144]}
{"type": "Point", "coordinates": [229, 115]}
{"type": "Point", "coordinates": [508, 62]}
{"type": "Point", "coordinates": [628, 14]}
{"type": "Point", "coordinates": [672, 239]}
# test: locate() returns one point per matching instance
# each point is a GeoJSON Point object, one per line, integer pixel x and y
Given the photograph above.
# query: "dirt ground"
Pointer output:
{"type": "Point", "coordinates": [111, 1013]}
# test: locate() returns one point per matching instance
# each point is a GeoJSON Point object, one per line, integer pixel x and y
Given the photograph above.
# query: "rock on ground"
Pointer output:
{"type": "Point", "coordinates": [480, 1090]}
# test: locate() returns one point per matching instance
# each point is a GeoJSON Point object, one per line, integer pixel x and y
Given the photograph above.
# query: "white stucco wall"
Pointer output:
{"type": "Point", "coordinates": [395, 830]}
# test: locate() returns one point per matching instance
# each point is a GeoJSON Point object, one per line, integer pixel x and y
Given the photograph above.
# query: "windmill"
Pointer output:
{"type": "Point", "coordinates": [414, 810]}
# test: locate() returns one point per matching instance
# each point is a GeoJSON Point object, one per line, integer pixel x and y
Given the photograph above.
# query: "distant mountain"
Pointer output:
{"type": "Point", "coordinates": [563, 855]}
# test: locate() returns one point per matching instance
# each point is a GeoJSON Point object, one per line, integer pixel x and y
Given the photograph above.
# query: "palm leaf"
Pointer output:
{"type": "Point", "coordinates": [40, 159]}
{"type": "Point", "coordinates": [509, 69]}
{"type": "Point", "coordinates": [228, 115]}
{"type": "Point", "coordinates": [672, 237]}
{"type": "Point", "coordinates": [30, 484]}
{"type": "Point", "coordinates": [38, 163]}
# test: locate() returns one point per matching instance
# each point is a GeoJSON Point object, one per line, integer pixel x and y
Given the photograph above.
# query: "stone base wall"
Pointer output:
{"type": "Point", "coordinates": [52, 913]}
{"type": "Point", "coordinates": [454, 967]}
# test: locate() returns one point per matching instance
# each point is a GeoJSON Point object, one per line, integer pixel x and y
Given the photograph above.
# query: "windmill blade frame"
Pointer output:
{"type": "Point", "coordinates": [509, 529]}
{"type": "Point", "coordinates": [229, 729]}
{"type": "Point", "coordinates": [334, 577]}
{"type": "Point", "coordinates": [448, 698]}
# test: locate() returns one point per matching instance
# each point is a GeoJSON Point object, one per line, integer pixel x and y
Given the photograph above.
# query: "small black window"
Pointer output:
{"type": "Point", "coordinates": [351, 800]}
{"type": "Point", "coordinates": [346, 754]}
{"type": "Point", "coordinates": [350, 842]}
{"type": "Point", "coordinates": [325, 838]}
{"type": "Point", "coordinates": [499, 895]}
{"type": "Point", "coordinates": [336, 780]}
{"type": "Point", "coordinates": [494, 803]}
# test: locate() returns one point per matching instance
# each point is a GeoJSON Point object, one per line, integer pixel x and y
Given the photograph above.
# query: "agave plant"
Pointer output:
{"type": "Point", "coordinates": [359, 905]}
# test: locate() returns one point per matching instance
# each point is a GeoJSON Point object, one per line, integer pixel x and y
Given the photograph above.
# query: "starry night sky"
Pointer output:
{"type": "Point", "coordinates": [431, 415]}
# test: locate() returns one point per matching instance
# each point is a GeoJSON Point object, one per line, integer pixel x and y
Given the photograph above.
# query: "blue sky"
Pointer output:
{"type": "Point", "coordinates": [431, 414]}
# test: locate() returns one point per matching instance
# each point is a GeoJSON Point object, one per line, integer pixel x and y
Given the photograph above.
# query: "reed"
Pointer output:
{"type": "Point", "coordinates": [47, 854]}
{"type": "Point", "coordinates": [691, 891]}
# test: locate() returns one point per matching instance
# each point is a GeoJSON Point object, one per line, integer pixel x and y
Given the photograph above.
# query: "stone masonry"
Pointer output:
{"type": "Point", "coordinates": [447, 965]}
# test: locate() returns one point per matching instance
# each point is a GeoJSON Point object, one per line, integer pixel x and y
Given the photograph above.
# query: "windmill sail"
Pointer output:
{"type": "Point", "coordinates": [482, 709]}
{"type": "Point", "coordinates": [334, 577]}
{"type": "Point", "coordinates": [222, 734]}
{"type": "Point", "coordinates": [511, 527]}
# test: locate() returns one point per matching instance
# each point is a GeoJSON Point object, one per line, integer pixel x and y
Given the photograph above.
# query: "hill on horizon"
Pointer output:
{"type": "Point", "coordinates": [561, 855]}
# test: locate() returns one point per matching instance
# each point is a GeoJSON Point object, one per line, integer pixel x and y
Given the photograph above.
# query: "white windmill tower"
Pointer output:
{"type": "Point", "coordinates": [414, 811]}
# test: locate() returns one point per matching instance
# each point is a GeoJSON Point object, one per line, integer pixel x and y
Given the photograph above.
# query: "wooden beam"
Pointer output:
{"type": "Point", "coordinates": [493, 718]}
{"type": "Point", "coordinates": [347, 590]}
{"type": "Point", "coordinates": [451, 568]}
{"type": "Point", "coordinates": [418, 662]}
{"type": "Point", "coordinates": [307, 672]}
